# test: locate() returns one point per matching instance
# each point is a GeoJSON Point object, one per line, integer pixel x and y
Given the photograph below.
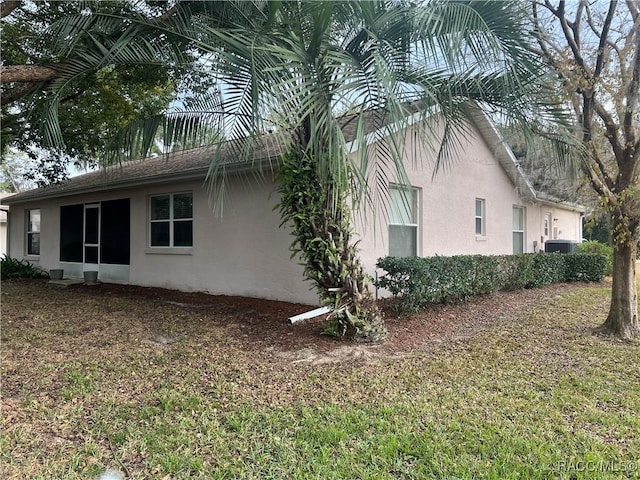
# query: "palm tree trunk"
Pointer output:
{"type": "Point", "coordinates": [322, 230]}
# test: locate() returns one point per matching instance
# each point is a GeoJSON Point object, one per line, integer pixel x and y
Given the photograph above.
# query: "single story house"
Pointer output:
{"type": "Point", "coordinates": [150, 222]}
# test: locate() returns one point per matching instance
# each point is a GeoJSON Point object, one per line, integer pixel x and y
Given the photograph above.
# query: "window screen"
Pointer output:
{"type": "Point", "coordinates": [115, 232]}
{"type": "Point", "coordinates": [71, 230]}
{"type": "Point", "coordinates": [171, 220]}
{"type": "Point", "coordinates": [33, 231]}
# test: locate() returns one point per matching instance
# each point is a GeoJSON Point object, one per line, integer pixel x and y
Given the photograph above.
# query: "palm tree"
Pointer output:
{"type": "Point", "coordinates": [314, 64]}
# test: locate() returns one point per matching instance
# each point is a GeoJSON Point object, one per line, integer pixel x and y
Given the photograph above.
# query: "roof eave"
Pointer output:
{"type": "Point", "coordinates": [554, 202]}
{"type": "Point", "coordinates": [195, 174]}
{"type": "Point", "coordinates": [504, 154]}
{"type": "Point", "coordinates": [111, 185]}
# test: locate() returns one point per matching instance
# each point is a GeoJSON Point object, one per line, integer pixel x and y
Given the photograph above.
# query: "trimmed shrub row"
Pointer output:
{"type": "Point", "coordinates": [419, 282]}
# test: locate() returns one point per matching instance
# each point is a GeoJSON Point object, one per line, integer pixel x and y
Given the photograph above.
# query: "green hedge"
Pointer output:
{"type": "Point", "coordinates": [585, 267]}
{"type": "Point", "coordinates": [419, 282]}
{"type": "Point", "coordinates": [594, 246]}
{"type": "Point", "coordinates": [547, 269]}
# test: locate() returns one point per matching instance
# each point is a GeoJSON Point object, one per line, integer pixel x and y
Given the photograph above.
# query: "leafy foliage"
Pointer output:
{"type": "Point", "coordinates": [585, 267]}
{"type": "Point", "coordinates": [420, 282]}
{"type": "Point", "coordinates": [19, 268]}
{"type": "Point", "coordinates": [94, 94]}
{"type": "Point", "coordinates": [547, 269]}
{"type": "Point", "coordinates": [594, 246]}
{"type": "Point", "coordinates": [592, 48]}
{"type": "Point", "coordinates": [558, 179]}
{"type": "Point", "coordinates": [389, 64]}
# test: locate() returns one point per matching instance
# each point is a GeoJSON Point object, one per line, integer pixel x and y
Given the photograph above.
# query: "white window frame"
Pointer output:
{"type": "Point", "coordinates": [171, 220]}
{"type": "Point", "coordinates": [482, 217]}
{"type": "Point", "coordinates": [524, 226]}
{"type": "Point", "coordinates": [31, 232]}
{"type": "Point", "coordinates": [416, 215]}
{"type": "Point", "coordinates": [546, 225]}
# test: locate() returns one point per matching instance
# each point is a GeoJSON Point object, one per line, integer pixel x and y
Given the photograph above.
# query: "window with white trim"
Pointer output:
{"type": "Point", "coordinates": [171, 220]}
{"type": "Point", "coordinates": [480, 216]}
{"type": "Point", "coordinates": [403, 222]}
{"type": "Point", "coordinates": [33, 231]}
{"type": "Point", "coordinates": [518, 229]}
{"type": "Point", "coordinates": [547, 224]}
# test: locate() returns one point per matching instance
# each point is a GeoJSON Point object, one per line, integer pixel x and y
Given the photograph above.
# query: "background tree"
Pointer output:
{"type": "Point", "coordinates": [14, 172]}
{"type": "Point", "coordinates": [101, 94]}
{"type": "Point", "coordinates": [594, 49]}
{"type": "Point", "coordinates": [308, 63]}
{"type": "Point", "coordinates": [534, 156]}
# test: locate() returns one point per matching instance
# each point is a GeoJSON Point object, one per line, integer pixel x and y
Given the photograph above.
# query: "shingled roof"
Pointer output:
{"type": "Point", "coordinates": [235, 155]}
{"type": "Point", "coordinates": [182, 165]}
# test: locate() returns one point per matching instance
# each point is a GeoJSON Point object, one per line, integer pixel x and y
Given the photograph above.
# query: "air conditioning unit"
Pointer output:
{"type": "Point", "coordinates": [560, 246]}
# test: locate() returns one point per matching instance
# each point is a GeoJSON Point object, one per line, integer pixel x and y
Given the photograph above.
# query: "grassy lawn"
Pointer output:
{"type": "Point", "coordinates": [535, 397]}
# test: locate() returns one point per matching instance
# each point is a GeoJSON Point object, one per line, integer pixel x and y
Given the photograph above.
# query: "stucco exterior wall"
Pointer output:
{"type": "Point", "coordinates": [242, 253]}
{"type": "Point", "coordinates": [447, 206]}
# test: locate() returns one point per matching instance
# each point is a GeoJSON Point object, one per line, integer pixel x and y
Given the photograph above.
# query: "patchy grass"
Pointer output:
{"type": "Point", "coordinates": [159, 390]}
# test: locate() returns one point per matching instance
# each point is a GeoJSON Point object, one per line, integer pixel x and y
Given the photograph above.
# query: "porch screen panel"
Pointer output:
{"type": "Point", "coordinates": [71, 230]}
{"type": "Point", "coordinates": [115, 232]}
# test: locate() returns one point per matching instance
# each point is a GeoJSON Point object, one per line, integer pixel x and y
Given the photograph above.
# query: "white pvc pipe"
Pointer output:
{"type": "Point", "coordinates": [311, 314]}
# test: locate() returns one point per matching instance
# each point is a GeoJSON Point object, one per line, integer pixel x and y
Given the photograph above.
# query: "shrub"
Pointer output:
{"type": "Point", "coordinates": [594, 246]}
{"type": "Point", "coordinates": [16, 268]}
{"type": "Point", "coordinates": [418, 282]}
{"type": "Point", "coordinates": [585, 267]}
{"type": "Point", "coordinates": [521, 271]}
{"type": "Point", "coordinates": [549, 268]}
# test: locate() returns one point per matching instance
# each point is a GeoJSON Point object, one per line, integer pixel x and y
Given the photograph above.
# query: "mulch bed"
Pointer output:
{"type": "Point", "coordinates": [264, 322]}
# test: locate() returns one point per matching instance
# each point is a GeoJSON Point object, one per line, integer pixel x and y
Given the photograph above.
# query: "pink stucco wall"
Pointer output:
{"type": "Point", "coordinates": [447, 206]}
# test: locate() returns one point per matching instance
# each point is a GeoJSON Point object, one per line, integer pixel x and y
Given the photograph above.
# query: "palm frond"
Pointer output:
{"type": "Point", "coordinates": [304, 62]}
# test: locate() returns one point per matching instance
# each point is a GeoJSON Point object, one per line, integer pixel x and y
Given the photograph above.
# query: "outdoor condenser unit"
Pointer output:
{"type": "Point", "coordinates": [560, 246]}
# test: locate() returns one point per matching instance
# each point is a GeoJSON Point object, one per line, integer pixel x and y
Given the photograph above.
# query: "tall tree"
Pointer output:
{"type": "Point", "coordinates": [594, 48]}
{"type": "Point", "coordinates": [307, 63]}
{"type": "Point", "coordinates": [101, 94]}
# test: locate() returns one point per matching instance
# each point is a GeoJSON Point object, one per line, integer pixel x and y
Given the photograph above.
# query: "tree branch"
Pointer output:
{"type": "Point", "coordinates": [568, 34]}
{"type": "Point", "coordinates": [169, 13]}
{"type": "Point", "coordinates": [633, 9]}
{"type": "Point", "coordinates": [611, 128]}
{"type": "Point", "coordinates": [26, 73]}
{"type": "Point", "coordinates": [17, 93]}
{"type": "Point", "coordinates": [597, 183]}
{"type": "Point", "coordinates": [575, 25]}
{"type": "Point", "coordinates": [8, 6]}
{"type": "Point", "coordinates": [591, 24]}
{"type": "Point", "coordinates": [543, 43]}
{"type": "Point", "coordinates": [601, 57]}
{"type": "Point", "coordinates": [602, 168]}
{"type": "Point", "coordinates": [632, 95]}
